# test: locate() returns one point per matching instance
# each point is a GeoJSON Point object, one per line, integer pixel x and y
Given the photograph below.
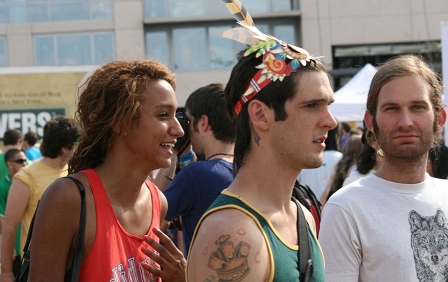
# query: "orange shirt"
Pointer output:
{"type": "Point", "coordinates": [116, 255]}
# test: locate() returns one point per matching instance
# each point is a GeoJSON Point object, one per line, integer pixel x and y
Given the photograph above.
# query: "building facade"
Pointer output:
{"type": "Point", "coordinates": [186, 34]}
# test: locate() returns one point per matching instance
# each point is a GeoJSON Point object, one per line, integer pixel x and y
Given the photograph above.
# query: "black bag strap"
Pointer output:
{"type": "Point", "coordinates": [76, 263]}
{"type": "Point", "coordinates": [305, 260]}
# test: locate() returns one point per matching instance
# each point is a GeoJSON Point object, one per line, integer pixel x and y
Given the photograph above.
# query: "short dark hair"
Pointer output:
{"type": "Point", "coordinates": [30, 137]}
{"type": "Point", "coordinates": [11, 137]}
{"type": "Point", "coordinates": [9, 155]}
{"type": "Point", "coordinates": [60, 132]}
{"type": "Point", "coordinates": [274, 95]}
{"type": "Point", "coordinates": [209, 100]}
{"type": "Point", "coordinates": [346, 126]}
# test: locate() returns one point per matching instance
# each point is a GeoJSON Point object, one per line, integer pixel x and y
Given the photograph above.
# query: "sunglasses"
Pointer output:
{"type": "Point", "coordinates": [20, 161]}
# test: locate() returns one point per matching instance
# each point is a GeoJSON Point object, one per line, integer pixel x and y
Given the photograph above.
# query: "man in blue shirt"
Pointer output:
{"type": "Point", "coordinates": [198, 184]}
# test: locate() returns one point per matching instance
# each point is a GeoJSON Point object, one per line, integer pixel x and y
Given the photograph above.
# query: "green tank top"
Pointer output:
{"type": "Point", "coordinates": [286, 263]}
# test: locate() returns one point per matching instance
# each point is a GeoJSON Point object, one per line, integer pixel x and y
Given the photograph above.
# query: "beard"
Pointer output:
{"type": "Point", "coordinates": [409, 151]}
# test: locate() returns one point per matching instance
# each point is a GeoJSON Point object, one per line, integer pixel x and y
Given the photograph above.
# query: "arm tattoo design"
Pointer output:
{"type": "Point", "coordinates": [229, 262]}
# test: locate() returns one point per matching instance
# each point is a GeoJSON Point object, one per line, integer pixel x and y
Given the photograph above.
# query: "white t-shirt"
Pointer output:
{"type": "Point", "coordinates": [317, 178]}
{"type": "Point", "coordinates": [376, 230]}
{"type": "Point", "coordinates": [355, 175]}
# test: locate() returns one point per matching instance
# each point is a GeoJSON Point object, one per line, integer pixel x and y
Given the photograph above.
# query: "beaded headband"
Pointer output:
{"type": "Point", "coordinates": [274, 51]}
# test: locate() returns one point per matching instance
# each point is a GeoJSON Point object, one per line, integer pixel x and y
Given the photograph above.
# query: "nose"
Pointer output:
{"type": "Point", "coordinates": [405, 119]}
{"type": "Point", "coordinates": [329, 120]}
{"type": "Point", "coordinates": [176, 129]}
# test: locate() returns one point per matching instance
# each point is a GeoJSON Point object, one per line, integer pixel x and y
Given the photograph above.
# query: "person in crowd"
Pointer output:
{"type": "Point", "coordinates": [392, 225]}
{"type": "Point", "coordinates": [127, 113]}
{"type": "Point", "coordinates": [317, 178]}
{"type": "Point", "coordinates": [12, 138]}
{"type": "Point", "coordinates": [59, 142]}
{"type": "Point", "coordinates": [212, 134]}
{"type": "Point", "coordinates": [15, 159]}
{"type": "Point", "coordinates": [438, 161]}
{"type": "Point", "coordinates": [29, 146]}
{"type": "Point", "coordinates": [368, 161]}
{"type": "Point", "coordinates": [281, 127]}
{"type": "Point", "coordinates": [350, 154]}
{"type": "Point", "coordinates": [345, 134]}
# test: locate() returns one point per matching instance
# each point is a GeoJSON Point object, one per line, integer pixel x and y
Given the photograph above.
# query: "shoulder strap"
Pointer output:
{"type": "Point", "coordinates": [30, 232]}
{"type": "Point", "coordinates": [305, 261]}
{"type": "Point", "coordinates": [76, 264]}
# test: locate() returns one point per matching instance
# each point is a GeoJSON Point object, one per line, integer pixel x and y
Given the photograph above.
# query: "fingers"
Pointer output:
{"type": "Point", "coordinates": [165, 254]}
{"type": "Point", "coordinates": [166, 247]}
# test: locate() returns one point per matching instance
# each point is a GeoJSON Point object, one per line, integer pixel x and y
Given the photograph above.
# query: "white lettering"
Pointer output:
{"type": "Point", "coordinates": [28, 122]}
{"type": "Point", "coordinates": [14, 121]}
{"type": "Point", "coordinates": [42, 119]}
{"type": "Point", "coordinates": [3, 124]}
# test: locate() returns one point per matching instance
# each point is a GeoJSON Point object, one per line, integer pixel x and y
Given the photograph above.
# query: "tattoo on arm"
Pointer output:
{"type": "Point", "coordinates": [229, 262]}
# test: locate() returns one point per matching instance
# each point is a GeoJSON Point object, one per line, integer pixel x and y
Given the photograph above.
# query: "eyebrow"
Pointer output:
{"type": "Point", "coordinates": [412, 103]}
{"type": "Point", "coordinates": [323, 100]}
{"type": "Point", "coordinates": [165, 106]}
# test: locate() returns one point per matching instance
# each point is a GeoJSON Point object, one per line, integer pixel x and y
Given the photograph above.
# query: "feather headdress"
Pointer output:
{"type": "Point", "coordinates": [280, 59]}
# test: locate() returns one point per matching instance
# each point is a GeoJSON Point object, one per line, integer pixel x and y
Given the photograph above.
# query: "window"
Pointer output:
{"type": "Point", "coordinates": [73, 49]}
{"type": "Point", "coordinates": [346, 58]}
{"type": "Point", "coordinates": [194, 8]}
{"type": "Point", "coordinates": [201, 47]}
{"type": "Point", "coordinates": [3, 57]}
{"type": "Point", "coordinates": [29, 11]}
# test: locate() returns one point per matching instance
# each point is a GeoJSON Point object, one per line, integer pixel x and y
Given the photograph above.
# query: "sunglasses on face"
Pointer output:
{"type": "Point", "coordinates": [20, 161]}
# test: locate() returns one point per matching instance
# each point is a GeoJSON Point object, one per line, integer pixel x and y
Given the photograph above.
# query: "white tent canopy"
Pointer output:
{"type": "Point", "coordinates": [350, 100]}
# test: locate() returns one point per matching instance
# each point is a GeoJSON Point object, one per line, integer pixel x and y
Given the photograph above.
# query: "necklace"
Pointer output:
{"type": "Point", "coordinates": [219, 154]}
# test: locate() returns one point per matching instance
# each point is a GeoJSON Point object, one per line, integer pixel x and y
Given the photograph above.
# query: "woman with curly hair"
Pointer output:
{"type": "Point", "coordinates": [127, 113]}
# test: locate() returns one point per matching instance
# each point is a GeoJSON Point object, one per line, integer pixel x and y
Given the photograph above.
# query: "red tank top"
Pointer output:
{"type": "Point", "coordinates": [116, 254]}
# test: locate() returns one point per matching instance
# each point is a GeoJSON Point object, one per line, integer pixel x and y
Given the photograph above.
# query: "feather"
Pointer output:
{"type": "Point", "coordinates": [241, 35]}
{"type": "Point", "coordinates": [239, 12]}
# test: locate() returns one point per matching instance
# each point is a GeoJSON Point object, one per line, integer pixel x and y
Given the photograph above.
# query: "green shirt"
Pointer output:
{"type": "Point", "coordinates": [5, 184]}
{"type": "Point", "coordinates": [285, 256]}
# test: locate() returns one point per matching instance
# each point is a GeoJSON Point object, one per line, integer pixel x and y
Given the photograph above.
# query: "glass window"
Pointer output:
{"type": "Point", "coordinates": [38, 12]}
{"type": "Point", "coordinates": [284, 5]}
{"type": "Point", "coordinates": [69, 11]}
{"type": "Point", "coordinates": [103, 48]}
{"type": "Point", "coordinates": [18, 12]}
{"type": "Point", "coordinates": [155, 8]}
{"type": "Point", "coordinates": [285, 33]}
{"type": "Point", "coordinates": [257, 6]}
{"type": "Point", "coordinates": [190, 8]}
{"type": "Point", "coordinates": [202, 47]}
{"type": "Point", "coordinates": [24, 11]}
{"type": "Point", "coordinates": [190, 55]}
{"type": "Point", "coordinates": [74, 49]}
{"type": "Point", "coordinates": [44, 51]}
{"type": "Point", "coordinates": [194, 8]}
{"type": "Point", "coordinates": [157, 46]}
{"type": "Point", "coordinates": [100, 10]}
{"type": "Point", "coordinates": [221, 50]}
{"type": "Point", "coordinates": [3, 57]}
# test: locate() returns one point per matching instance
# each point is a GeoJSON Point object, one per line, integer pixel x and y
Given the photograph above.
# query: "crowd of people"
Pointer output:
{"type": "Point", "coordinates": [222, 172]}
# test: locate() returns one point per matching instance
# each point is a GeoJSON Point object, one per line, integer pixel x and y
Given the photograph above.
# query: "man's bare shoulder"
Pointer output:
{"type": "Point", "coordinates": [228, 246]}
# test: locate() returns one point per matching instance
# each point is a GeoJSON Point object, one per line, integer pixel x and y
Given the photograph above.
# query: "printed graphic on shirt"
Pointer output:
{"type": "Point", "coordinates": [429, 241]}
{"type": "Point", "coordinates": [134, 272]}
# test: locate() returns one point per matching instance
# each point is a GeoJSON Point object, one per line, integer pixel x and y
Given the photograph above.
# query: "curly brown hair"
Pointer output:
{"type": "Point", "coordinates": [110, 103]}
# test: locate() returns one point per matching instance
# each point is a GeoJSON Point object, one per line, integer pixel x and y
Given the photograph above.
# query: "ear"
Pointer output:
{"type": "Point", "coordinates": [259, 114]}
{"type": "Point", "coordinates": [203, 124]}
{"type": "Point", "coordinates": [441, 119]}
{"type": "Point", "coordinates": [368, 120]}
